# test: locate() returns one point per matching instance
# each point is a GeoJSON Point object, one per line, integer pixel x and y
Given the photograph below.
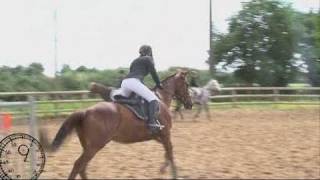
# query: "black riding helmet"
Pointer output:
{"type": "Point", "coordinates": [145, 50]}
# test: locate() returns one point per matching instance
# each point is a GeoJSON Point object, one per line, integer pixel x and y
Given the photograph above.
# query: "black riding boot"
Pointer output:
{"type": "Point", "coordinates": [153, 123]}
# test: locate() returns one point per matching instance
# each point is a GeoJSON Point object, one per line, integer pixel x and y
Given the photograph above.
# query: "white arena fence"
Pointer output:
{"type": "Point", "coordinates": [55, 103]}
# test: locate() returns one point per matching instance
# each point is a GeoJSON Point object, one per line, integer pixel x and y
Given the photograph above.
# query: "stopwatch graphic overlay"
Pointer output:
{"type": "Point", "coordinates": [21, 157]}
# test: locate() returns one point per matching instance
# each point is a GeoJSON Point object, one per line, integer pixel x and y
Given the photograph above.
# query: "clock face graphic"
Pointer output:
{"type": "Point", "coordinates": [21, 157]}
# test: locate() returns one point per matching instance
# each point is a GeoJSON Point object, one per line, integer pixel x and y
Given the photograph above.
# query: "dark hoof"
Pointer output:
{"type": "Point", "coordinates": [163, 170]}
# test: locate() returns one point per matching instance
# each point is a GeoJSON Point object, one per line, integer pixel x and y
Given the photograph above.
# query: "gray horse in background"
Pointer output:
{"type": "Point", "coordinates": [201, 96]}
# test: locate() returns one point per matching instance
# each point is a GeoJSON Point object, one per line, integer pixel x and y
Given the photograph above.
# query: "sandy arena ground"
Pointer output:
{"type": "Point", "coordinates": [237, 143]}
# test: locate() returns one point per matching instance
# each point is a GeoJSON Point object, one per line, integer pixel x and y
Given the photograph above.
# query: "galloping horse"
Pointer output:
{"type": "Point", "coordinates": [109, 121]}
{"type": "Point", "coordinates": [201, 96]}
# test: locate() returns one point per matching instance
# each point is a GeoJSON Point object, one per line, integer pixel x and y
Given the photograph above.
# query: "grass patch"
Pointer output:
{"type": "Point", "coordinates": [268, 105]}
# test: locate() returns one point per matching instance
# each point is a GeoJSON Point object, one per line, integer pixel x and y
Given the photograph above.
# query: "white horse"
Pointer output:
{"type": "Point", "coordinates": [201, 96]}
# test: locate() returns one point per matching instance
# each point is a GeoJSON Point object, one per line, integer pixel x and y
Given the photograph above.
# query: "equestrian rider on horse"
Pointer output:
{"type": "Point", "coordinates": [133, 82]}
{"type": "Point", "coordinates": [193, 79]}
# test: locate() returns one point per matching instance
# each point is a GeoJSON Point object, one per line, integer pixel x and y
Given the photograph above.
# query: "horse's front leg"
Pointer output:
{"type": "Point", "coordinates": [206, 107]}
{"type": "Point", "coordinates": [166, 141]}
{"type": "Point", "coordinates": [181, 115]}
{"type": "Point", "coordinates": [199, 109]}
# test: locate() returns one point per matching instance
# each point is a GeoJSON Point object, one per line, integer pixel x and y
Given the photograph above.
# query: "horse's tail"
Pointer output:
{"type": "Point", "coordinates": [71, 122]}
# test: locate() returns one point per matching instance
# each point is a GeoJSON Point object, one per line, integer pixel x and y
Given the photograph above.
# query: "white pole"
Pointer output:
{"type": "Point", "coordinates": [55, 42]}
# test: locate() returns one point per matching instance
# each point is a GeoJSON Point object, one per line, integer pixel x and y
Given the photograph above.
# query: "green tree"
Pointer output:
{"type": "Point", "coordinates": [65, 68]}
{"type": "Point", "coordinates": [260, 44]}
{"type": "Point", "coordinates": [308, 26]}
{"type": "Point", "coordinates": [35, 68]}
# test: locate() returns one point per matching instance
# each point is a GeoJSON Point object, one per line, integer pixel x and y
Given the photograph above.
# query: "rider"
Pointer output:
{"type": "Point", "coordinates": [193, 79]}
{"type": "Point", "coordinates": [133, 82]}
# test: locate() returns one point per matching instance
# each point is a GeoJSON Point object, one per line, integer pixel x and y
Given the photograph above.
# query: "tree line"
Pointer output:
{"type": "Point", "coordinates": [32, 78]}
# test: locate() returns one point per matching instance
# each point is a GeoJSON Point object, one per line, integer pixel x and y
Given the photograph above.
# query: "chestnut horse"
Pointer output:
{"type": "Point", "coordinates": [109, 121]}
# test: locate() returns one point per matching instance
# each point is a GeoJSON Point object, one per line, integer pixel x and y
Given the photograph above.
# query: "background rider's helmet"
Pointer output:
{"type": "Point", "coordinates": [193, 73]}
{"type": "Point", "coordinates": [145, 50]}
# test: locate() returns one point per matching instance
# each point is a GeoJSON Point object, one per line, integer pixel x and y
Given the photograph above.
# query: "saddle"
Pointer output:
{"type": "Point", "coordinates": [135, 103]}
{"type": "Point", "coordinates": [139, 106]}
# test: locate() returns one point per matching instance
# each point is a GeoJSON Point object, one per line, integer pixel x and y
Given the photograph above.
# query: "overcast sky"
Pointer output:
{"type": "Point", "coordinates": [106, 34]}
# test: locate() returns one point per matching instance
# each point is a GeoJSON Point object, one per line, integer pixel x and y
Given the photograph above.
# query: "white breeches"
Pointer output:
{"type": "Point", "coordinates": [135, 85]}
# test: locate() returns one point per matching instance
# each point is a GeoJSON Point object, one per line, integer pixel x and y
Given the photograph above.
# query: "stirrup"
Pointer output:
{"type": "Point", "coordinates": [158, 125]}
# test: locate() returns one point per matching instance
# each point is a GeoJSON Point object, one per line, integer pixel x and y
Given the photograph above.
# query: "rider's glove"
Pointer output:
{"type": "Point", "coordinates": [159, 86]}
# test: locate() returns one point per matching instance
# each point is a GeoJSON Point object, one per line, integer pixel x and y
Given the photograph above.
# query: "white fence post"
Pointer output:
{"type": "Point", "coordinates": [234, 98]}
{"type": "Point", "coordinates": [33, 128]}
{"type": "Point", "coordinates": [55, 105]}
{"type": "Point", "coordinates": [83, 97]}
{"type": "Point", "coordinates": [275, 94]}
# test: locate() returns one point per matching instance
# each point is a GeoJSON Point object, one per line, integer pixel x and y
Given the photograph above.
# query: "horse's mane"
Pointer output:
{"type": "Point", "coordinates": [164, 81]}
{"type": "Point", "coordinates": [169, 77]}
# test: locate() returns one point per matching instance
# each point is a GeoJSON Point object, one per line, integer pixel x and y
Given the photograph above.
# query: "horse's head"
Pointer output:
{"type": "Point", "coordinates": [213, 86]}
{"type": "Point", "coordinates": [181, 91]}
{"type": "Point", "coordinates": [176, 86]}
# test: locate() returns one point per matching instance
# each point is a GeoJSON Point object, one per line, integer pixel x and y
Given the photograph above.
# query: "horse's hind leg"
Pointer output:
{"type": "Point", "coordinates": [82, 162]}
{"type": "Point", "coordinates": [181, 115]}
{"type": "Point", "coordinates": [206, 107]}
{"type": "Point", "coordinates": [82, 172]}
{"type": "Point", "coordinates": [198, 111]}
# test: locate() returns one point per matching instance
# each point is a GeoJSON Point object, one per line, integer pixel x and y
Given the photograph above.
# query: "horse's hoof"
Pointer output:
{"type": "Point", "coordinates": [162, 170]}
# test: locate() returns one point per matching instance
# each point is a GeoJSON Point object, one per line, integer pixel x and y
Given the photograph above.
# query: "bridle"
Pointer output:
{"type": "Point", "coordinates": [182, 98]}
{"type": "Point", "coordinates": [174, 95]}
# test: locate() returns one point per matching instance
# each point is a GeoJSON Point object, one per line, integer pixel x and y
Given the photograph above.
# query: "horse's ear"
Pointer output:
{"type": "Point", "coordinates": [182, 72]}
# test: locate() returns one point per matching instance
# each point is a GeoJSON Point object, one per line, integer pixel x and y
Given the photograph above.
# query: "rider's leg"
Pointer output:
{"type": "Point", "coordinates": [133, 84]}
{"type": "Point", "coordinates": [122, 91]}
{"type": "Point", "coordinates": [139, 88]}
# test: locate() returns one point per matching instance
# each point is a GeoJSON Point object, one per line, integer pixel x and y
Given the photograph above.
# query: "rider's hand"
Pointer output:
{"type": "Point", "coordinates": [160, 86]}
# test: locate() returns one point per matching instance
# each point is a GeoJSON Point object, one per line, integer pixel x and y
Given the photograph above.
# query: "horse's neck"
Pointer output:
{"type": "Point", "coordinates": [166, 94]}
